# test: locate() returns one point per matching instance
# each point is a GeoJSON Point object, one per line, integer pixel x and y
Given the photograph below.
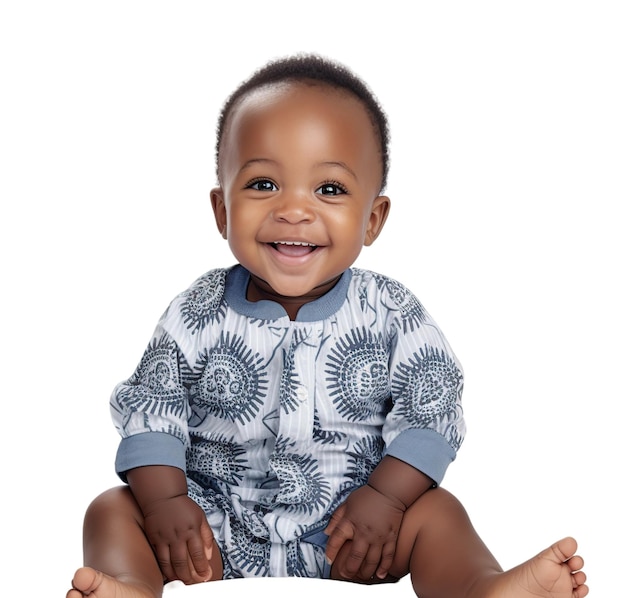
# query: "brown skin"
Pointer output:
{"type": "Point", "coordinates": [175, 525]}
{"type": "Point", "coordinates": [437, 545]}
{"type": "Point", "coordinates": [371, 518]}
{"type": "Point", "coordinates": [301, 164]}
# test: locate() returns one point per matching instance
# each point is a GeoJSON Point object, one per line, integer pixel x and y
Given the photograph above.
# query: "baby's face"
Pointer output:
{"type": "Point", "coordinates": [300, 172]}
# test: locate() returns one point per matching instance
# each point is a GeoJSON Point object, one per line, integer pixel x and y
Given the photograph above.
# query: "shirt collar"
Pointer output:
{"type": "Point", "coordinates": [325, 306]}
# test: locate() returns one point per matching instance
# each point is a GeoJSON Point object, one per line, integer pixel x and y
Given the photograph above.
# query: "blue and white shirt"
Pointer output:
{"type": "Point", "coordinates": [285, 417]}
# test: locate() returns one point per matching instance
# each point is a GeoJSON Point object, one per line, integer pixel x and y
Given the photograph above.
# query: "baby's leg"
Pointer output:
{"type": "Point", "coordinates": [119, 561]}
{"type": "Point", "coordinates": [117, 555]}
{"type": "Point", "coordinates": [438, 545]}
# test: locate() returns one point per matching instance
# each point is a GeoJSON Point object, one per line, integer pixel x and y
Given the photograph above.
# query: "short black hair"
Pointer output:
{"type": "Point", "coordinates": [305, 68]}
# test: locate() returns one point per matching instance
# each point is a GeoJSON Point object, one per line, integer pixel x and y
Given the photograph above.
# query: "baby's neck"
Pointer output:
{"type": "Point", "coordinates": [259, 290]}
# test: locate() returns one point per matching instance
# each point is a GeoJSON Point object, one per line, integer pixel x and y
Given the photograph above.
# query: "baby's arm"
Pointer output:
{"type": "Point", "coordinates": [175, 525]}
{"type": "Point", "coordinates": [371, 517]}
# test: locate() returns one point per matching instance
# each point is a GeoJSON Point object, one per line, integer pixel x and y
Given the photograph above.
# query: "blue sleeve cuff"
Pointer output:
{"type": "Point", "coordinates": [149, 448]}
{"type": "Point", "coordinates": [425, 450]}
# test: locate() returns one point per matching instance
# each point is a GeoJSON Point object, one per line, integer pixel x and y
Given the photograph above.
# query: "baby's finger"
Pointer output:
{"type": "Point", "coordinates": [358, 551]}
{"type": "Point", "coordinates": [196, 577]}
{"type": "Point", "coordinates": [335, 520]}
{"type": "Point", "coordinates": [162, 553]}
{"type": "Point", "coordinates": [198, 557]}
{"type": "Point", "coordinates": [370, 563]}
{"type": "Point", "coordinates": [206, 533]}
{"type": "Point", "coordinates": [179, 557]}
{"type": "Point", "coordinates": [386, 560]}
{"type": "Point", "coordinates": [341, 533]}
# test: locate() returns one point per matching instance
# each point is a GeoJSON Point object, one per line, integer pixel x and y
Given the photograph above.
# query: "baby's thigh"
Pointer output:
{"type": "Point", "coordinates": [431, 513]}
{"type": "Point", "coordinates": [436, 528]}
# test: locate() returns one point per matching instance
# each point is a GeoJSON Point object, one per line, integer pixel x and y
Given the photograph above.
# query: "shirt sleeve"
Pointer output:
{"type": "Point", "coordinates": [425, 427]}
{"type": "Point", "coordinates": [150, 410]}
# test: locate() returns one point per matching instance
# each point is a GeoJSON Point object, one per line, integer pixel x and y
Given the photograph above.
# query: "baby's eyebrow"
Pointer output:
{"type": "Point", "coordinates": [253, 161]}
{"type": "Point", "coordinates": [323, 164]}
{"type": "Point", "coordinates": [339, 164]}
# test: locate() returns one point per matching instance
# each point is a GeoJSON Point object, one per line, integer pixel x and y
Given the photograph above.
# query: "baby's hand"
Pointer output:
{"type": "Point", "coordinates": [181, 538]}
{"type": "Point", "coordinates": [372, 522]}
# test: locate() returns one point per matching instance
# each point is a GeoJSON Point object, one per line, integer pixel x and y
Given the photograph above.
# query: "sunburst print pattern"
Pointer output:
{"type": "Point", "coordinates": [412, 312]}
{"type": "Point", "coordinates": [155, 386]}
{"type": "Point", "coordinates": [296, 562]}
{"type": "Point", "coordinates": [203, 301]}
{"type": "Point", "coordinates": [233, 383]}
{"type": "Point", "coordinates": [363, 458]}
{"type": "Point", "coordinates": [326, 436]}
{"type": "Point", "coordinates": [357, 375]}
{"type": "Point", "coordinates": [218, 458]}
{"type": "Point", "coordinates": [249, 553]}
{"type": "Point", "coordinates": [302, 487]}
{"type": "Point", "coordinates": [429, 387]}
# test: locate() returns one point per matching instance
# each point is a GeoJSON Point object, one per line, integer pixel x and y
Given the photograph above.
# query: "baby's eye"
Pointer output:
{"type": "Point", "coordinates": [331, 189]}
{"type": "Point", "coordinates": [262, 185]}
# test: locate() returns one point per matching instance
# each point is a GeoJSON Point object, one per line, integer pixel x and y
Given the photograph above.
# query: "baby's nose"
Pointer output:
{"type": "Point", "coordinates": [294, 208]}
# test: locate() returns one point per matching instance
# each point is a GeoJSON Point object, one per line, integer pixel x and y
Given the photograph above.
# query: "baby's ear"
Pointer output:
{"type": "Point", "coordinates": [378, 217]}
{"type": "Point", "coordinates": [219, 209]}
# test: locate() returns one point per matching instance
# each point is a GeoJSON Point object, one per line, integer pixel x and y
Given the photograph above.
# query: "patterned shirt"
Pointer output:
{"type": "Point", "coordinates": [288, 417]}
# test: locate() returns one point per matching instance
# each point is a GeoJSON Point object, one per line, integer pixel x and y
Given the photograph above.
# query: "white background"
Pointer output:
{"type": "Point", "coordinates": [507, 182]}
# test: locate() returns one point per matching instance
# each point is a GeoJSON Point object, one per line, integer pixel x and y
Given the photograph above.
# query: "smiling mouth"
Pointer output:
{"type": "Point", "coordinates": [293, 248]}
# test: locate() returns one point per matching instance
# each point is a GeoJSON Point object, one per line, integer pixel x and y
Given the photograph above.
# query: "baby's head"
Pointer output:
{"type": "Point", "coordinates": [302, 158]}
{"type": "Point", "coordinates": [311, 69]}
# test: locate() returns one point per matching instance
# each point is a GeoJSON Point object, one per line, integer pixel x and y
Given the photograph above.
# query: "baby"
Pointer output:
{"type": "Point", "coordinates": [293, 415]}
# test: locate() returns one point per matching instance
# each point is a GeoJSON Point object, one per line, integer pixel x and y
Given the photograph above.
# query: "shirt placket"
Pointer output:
{"type": "Point", "coordinates": [298, 389]}
{"type": "Point", "coordinates": [295, 430]}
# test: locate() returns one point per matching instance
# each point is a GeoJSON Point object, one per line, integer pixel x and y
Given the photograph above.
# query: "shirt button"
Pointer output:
{"type": "Point", "coordinates": [302, 394]}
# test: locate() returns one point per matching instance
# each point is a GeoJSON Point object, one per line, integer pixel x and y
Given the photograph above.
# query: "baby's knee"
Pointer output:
{"type": "Point", "coordinates": [113, 500]}
{"type": "Point", "coordinates": [437, 503]}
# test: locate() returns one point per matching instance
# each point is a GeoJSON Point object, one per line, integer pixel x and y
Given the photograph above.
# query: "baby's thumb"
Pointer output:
{"type": "Point", "coordinates": [207, 539]}
{"type": "Point", "coordinates": [335, 519]}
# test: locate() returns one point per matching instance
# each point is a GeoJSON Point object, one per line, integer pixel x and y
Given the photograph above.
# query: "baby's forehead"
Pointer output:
{"type": "Point", "coordinates": [258, 103]}
{"type": "Point", "coordinates": [270, 94]}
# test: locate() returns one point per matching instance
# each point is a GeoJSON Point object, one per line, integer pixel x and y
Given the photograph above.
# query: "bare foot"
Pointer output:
{"type": "Point", "coordinates": [553, 573]}
{"type": "Point", "coordinates": [92, 583]}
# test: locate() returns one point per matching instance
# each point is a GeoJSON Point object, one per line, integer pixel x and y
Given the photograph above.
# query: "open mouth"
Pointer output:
{"type": "Point", "coordinates": [293, 248]}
